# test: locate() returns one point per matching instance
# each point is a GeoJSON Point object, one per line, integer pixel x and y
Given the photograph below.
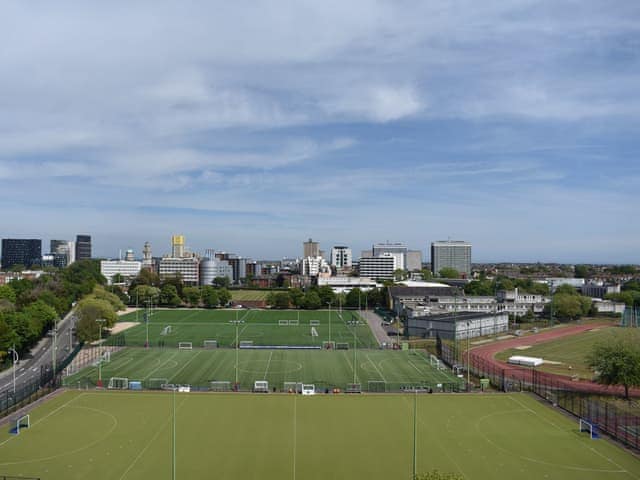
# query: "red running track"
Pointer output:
{"type": "Point", "coordinates": [487, 354]}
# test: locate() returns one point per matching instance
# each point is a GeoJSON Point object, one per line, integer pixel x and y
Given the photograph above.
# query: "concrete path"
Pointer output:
{"type": "Point", "coordinates": [375, 323]}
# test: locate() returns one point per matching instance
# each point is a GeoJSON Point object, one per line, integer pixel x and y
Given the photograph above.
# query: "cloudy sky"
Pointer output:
{"type": "Point", "coordinates": [251, 126]}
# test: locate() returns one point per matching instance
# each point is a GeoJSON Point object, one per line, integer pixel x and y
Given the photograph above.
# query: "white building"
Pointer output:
{"type": "Point", "coordinates": [555, 282]}
{"type": "Point", "coordinates": [210, 268]}
{"type": "Point", "coordinates": [186, 267]}
{"type": "Point", "coordinates": [341, 257]}
{"type": "Point", "coordinates": [314, 266]}
{"type": "Point", "coordinates": [128, 269]}
{"type": "Point", "coordinates": [381, 267]}
{"type": "Point", "coordinates": [454, 254]}
{"type": "Point", "coordinates": [397, 250]}
{"type": "Point", "coordinates": [517, 303]}
{"type": "Point", "coordinates": [343, 284]}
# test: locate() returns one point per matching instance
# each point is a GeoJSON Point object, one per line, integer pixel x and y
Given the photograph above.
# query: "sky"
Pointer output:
{"type": "Point", "coordinates": [249, 127]}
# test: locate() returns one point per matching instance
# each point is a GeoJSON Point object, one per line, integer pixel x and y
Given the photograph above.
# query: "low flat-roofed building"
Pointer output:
{"type": "Point", "coordinates": [127, 269]}
{"type": "Point", "coordinates": [457, 325]}
{"type": "Point", "coordinates": [346, 284]}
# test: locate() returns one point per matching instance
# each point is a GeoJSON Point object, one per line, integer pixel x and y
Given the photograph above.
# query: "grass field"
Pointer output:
{"type": "Point", "coordinates": [325, 369]}
{"type": "Point", "coordinates": [127, 436]}
{"type": "Point", "coordinates": [569, 353]}
{"type": "Point", "coordinates": [260, 326]}
{"type": "Point", "coordinates": [249, 295]}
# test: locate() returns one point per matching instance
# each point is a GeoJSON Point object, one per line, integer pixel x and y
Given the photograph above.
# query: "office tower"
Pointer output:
{"type": "Point", "coordinates": [397, 250]}
{"type": "Point", "coordinates": [83, 247]}
{"type": "Point", "coordinates": [414, 260]}
{"type": "Point", "coordinates": [310, 249]}
{"type": "Point", "coordinates": [177, 246]}
{"type": "Point", "coordinates": [341, 257]}
{"type": "Point", "coordinates": [454, 254]}
{"type": "Point", "coordinates": [380, 267]}
{"type": "Point", "coordinates": [60, 249]}
{"type": "Point", "coordinates": [18, 251]}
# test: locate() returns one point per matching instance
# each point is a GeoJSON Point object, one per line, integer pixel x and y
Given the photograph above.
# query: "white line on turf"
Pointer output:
{"type": "Point", "coordinates": [185, 365]}
{"type": "Point", "coordinates": [268, 363]}
{"type": "Point", "coordinates": [377, 369]}
{"type": "Point", "coordinates": [160, 366]}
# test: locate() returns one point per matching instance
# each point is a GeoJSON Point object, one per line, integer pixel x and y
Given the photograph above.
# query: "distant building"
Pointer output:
{"type": "Point", "coordinates": [126, 268]}
{"type": "Point", "coordinates": [397, 250]}
{"type": "Point", "coordinates": [18, 251]}
{"type": "Point", "coordinates": [186, 267]}
{"type": "Point", "coordinates": [341, 257]}
{"type": "Point", "coordinates": [454, 254]}
{"type": "Point", "coordinates": [346, 284]}
{"type": "Point", "coordinates": [210, 268]}
{"type": "Point", "coordinates": [147, 258]}
{"type": "Point", "coordinates": [458, 326]}
{"type": "Point", "coordinates": [310, 249]}
{"type": "Point", "coordinates": [238, 265]}
{"type": "Point", "coordinates": [414, 260]}
{"type": "Point", "coordinates": [381, 267]}
{"type": "Point", "coordinates": [61, 252]}
{"type": "Point", "coordinates": [177, 246]}
{"type": "Point", "coordinates": [517, 303]}
{"type": "Point", "coordinates": [555, 282]}
{"type": "Point", "coordinates": [315, 266]}
{"type": "Point", "coordinates": [128, 256]}
{"type": "Point", "coordinates": [83, 247]}
{"type": "Point", "coordinates": [599, 290]}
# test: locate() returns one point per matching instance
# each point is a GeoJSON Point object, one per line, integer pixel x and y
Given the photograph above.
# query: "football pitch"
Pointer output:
{"type": "Point", "coordinates": [164, 435]}
{"type": "Point", "coordinates": [262, 327]}
{"type": "Point", "coordinates": [375, 370]}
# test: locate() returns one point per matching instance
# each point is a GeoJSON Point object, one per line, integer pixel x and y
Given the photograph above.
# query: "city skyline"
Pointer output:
{"type": "Point", "coordinates": [512, 126]}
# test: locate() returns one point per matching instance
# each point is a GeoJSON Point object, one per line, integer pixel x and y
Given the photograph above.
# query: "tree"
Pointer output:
{"type": "Point", "coordinates": [145, 294]}
{"type": "Point", "coordinates": [297, 297]}
{"type": "Point", "coordinates": [169, 295]}
{"type": "Point", "coordinates": [479, 287]}
{"type": "Point", "coordinates": [222, 282]}
{"type": "Point", "coordinates": [326, 295]}
{"type": "Point", "coordinates": [92, 308]}
{"type": "Point", "coordinates": [8, 293]}
{"type": "Point", "coordinates": [426, 274]}
{"type": "Point", "coordinates": [353, 298]}
{"type": "Point", "coordinates": [570, 307]}
{"type": "Point", "coordinates": [581, 271]}
{"type": "Point", "coordinates": [280, 300]}
{"type": "Point", "coordinates": [191, 295]}
{"type": "Point", "coordinates": [449, 273]}
{"type": "Point", "coordinates": [224, 295]}
{"type": "Point", "coordinates": [112, 298]}
{"type": "Point", "coordinates": [312, 300]}
{"type": "Point", "coordinates": [616, 361]}
{"type": "Point", "coordinates": [400, 274]}
{"type": "Point", "coordinates": [210, 297]}
{"type": "Point", "coordinates": [566, 289]}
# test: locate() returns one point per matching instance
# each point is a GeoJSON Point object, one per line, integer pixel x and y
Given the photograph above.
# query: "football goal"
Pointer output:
{"type": "Point", "coordinates": [156, 383]}
{"type": "Point", "coordinates": [220, 386]}
{"type": "Point", "coordinates": [261, 386]}
{"type": "Point", "coordinates": [185, 345]}
{"type": "Point", "coordinates": [308, 389]}
{"type": "Point", "coordinates": [376, 386]}
{"type": "Point", "coordinates": [314, 332]}
{"type": "Point", "coordinates": [294, 323]}
{"type": "Point", "coordinates": [329, 345]}
{"type": "Point", "coordinates": [210, 344]}
{"type": "Point", "coordinates": [22, 422]}
{"type": "Point", "coordinates": [118, 383]}
{"type": "Point", "coordinates": [314, 323]}
{"type": "Point", "coordinates": [292, 387]}
{"type": "Point", "coordinates": [283, 323]}
{"type": "Point", "coordinates": [590, 428]}
{"type": "Point", "coordinates": [342, 346]}
{"type": "Point", "coordinates": [353, 388]}
{"type": "Point", "coordinates": [166, 330]}
{"type": "Point", "coordinates": [435, 362]}
{"type": "Point", "coordinates": [246, 343]}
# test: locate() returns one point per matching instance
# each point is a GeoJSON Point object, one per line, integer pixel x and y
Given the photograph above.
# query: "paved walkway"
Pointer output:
{"type": "Point", "coordinates": [375, 323]}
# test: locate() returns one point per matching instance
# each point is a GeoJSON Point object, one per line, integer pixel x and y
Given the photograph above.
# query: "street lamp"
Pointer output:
{"type": "Point", "coordinates": [15, 363]}
{"type": "Point", "coordinates": [100, 321]}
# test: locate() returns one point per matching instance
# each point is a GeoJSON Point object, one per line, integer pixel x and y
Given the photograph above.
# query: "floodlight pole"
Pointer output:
{"type": "Point", "coordinates": [355, 355]}
{"type": "Point", "coordinates": [100, 321]}
{"type": "Point", "coordinates": [329, 303]}
{"type": "Point", "coordinates": [146, 322]}
{"type": "Point", "coordinates": [174, 434]}
{"type": "Point", "coordinates": [415, 433]}
{"type": "Point", "coordinates": [55, 345]}
{"type": "Point", "coordinates": [15, 363]}
{"type": "Point", "coordinates": [468, 353]}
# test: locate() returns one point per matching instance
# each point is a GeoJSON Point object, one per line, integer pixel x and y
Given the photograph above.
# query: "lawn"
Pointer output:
{"type": "Point", "coordinates": [127, 436]}
{"type": "Point", "coordinates": [263, 327]}
{"type": "Point", "coordinates": [249, 295]}
{"type": "Point", "coordinates": [387, 370]}
{"type": "Point", "coordinates": [567, 355]}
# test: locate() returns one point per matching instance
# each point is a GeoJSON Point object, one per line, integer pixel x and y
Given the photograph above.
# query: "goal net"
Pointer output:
{"type": "Point", "coordinates": [220, 386]}
{"type": "Point", "coordinates": [308, 389]}
{"type": "Point", "coordinates": [314, 332]}
{"type": "Point", "coordinates": [353, 388]}
{"type": "Point", "coordinates": [118, 383]}
{"type": "Point", "coordinates": [156, 383]}
{"type": "Point", "coordinates": [210, 344]}
{"type": "Point", "coordinates": [292, 387]}
{"type": "Point", "coordinates": [283, 323]}
{"type": "Point", "coordinates": [246, 343]}
{"type": "Point", "coordinates": [166, 330]}
{"type": "Point", "coordinates": [376, 386]}
{"type": "Point", "coordinates": [342, 346]}
{"type": "Point", "coordinates": [329, 345]}
{"type": "Point", "coordinates": [22, 422]}
{"type": "Point", "coordinates": [590, 428]}
{"type": "Point", "coordinates": [435, 362]}
{"type": "Point", "coordinates": [314, 323]}
{"type": "Point", "coordinates": [261, 386]}
{"type": "Point", "coordinates": [294, 323]}
{"type": "Point", "coordinates": [185, 346]}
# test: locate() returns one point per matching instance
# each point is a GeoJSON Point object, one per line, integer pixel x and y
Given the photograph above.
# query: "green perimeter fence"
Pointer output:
{"type": "Point", "coordinates": [618, 422]}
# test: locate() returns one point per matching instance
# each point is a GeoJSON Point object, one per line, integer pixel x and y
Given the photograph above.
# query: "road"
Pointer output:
{"type": "Point", "coordinates": [41, 356]}
{"type": "Point", "coordinates": [375, 323]}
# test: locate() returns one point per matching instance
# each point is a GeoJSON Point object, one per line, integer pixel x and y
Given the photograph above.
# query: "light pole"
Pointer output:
{"type": "Point", "coordinates": [55, 345]}
{"type": "Point", "coordinates": [468, 353]}
{"type": "Point", "coordinates": [100, 321]}
{"type": "Point", "coordinates": [237, 323]}
{"type": "Point", "coordinates": [15, 363]}
{"type": "Point", "coordinates": [329, 303]}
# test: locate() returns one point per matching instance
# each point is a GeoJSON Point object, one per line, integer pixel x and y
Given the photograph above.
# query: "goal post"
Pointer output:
{"type": "Point", "coordinates": [314, 332]}
{"type": "Point", "coordinates": [220, 386]}
{"type": "Point", "coordinates": [377, 386]}
{"type": "Point", "coordinates": [246, 343]}
{"type": "Point", "coordinates": [435, 362]}
{"type": "Point", "coordinates": [22, 422]}
{"type": "Point", "coordinates": [329, 345]}
{"type": "Point", "coordinates": [342, 346]}
{"type": "Point", "coordinates": [294, 323]}
{"type": "Point", "coordinates": [590, 428]}
{"type": "Point", "coordinates": [261, 386]}
{"type": "Point", "coordinates": [210, 344]}
{"type": "Point", "coordinates": [283, 323]}
{"type": "Point", "coordinates": [314, 323]}
{"type": "Point", "coordinates": [185, 346]}
{"type": "Point", "coordinates": [166, 330]}
{"type": "Point", "coordinates": [118, 383]}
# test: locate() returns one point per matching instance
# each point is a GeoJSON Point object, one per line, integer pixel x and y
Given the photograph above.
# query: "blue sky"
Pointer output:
{"type": "Point", "coordinates": [249, 127]}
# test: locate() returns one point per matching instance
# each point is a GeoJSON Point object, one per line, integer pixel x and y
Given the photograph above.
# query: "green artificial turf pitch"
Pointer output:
{"type": "Point", "coordinates": [323, 368]}
{"type": "Point", "coordinates": [126, 436]}
{"type": "Point", "coordinates": [260, 326]}
{"type": "Point", "coordinates": [568, 355]}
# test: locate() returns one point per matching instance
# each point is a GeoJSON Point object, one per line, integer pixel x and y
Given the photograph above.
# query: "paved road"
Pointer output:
{"type": "Point", "coordinates": [375, 323]}
{"type": "Point", "coordinates": [41, 356]}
